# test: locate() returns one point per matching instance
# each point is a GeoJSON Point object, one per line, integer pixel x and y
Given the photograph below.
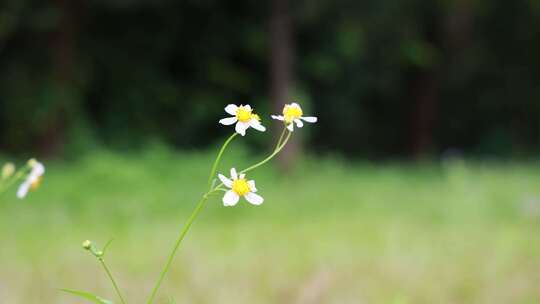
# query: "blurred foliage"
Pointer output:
{"type": "Point", "coordinates": [76, 74]}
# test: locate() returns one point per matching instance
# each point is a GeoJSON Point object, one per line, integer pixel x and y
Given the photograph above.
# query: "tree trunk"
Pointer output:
{"type": "Point", "coordinates": [281, 57]}
{"type": "Point", "coordinates": [62, 53]}
{"type": "Point", "coordinates": [425, 96]}
{"type": "Point", "coordinates": [453, 37]}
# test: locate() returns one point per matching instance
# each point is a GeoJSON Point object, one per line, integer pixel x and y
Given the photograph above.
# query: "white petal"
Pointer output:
{"type": "Point", "coordinates": [233, 174]}
{"type": "Point", "coordinates": [255, 124]}
{"type": "Point", "coordinates": [290, 127]}
{"type": "Point", "coordinates": [23, 189]}
{"type": "Point", "coordinates": [299, 123]}
{"type": "Point", "coordinates": [241, 128]}
{"type": "Point", "coordinates": [242, 175]}
{"type": "Point", "coordinates": [227, 182]}
{"type": "Point", "coordinates": [230, 198]}
{"type": "Point", "coordinates": [253, 198]}
{"type": "Point", "coordinates": [231, 109]}
{"type": "Point", "coordinates": [38, 169]}
{"type": "Point", "coordinates": [311, 119]}
{"type": "Point", "coordinates": [247, 107]}
{"type": "Point", "coordinates": [278, 117]}
{"type": "Point", "coordinates": [228, 121]}
{"type": "Point", "coordinates": [251, 185]}
{"type": "Point", "coordinates": [294, 104]}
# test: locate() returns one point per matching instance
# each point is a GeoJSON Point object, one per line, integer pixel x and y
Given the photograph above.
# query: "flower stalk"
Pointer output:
{"type": "Point", "coordinates": [32, 172]}
{"type": "Point", "coordinates": [278, 149]}
{"type": "Point", "coordinates": [198, 208]}
{"type": "Point", "coordinates": [200, 205]}
{"type": "Point", "coordinates": [99, 254]}
{"type": "Point", "coordinates": [238, 185]}
{"type": "Point", "coordinates": [218, 159]}
{"type": "Point", "coordinates": [20, 174]}
{"type": "Point", "coordinates": [111, 278]}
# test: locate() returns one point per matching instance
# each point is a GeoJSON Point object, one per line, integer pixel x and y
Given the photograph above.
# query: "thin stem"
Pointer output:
{"type": "Point", "coordinates": [200, 205]}
{"type": "Point", "coordinates": [279, 146]}
{"type": "Point", "coordinates": [282, 144]}
{"type": "Point", "coordinates": [218, 159]}
{"type": "Point", "coordinates": [109, 274]}
{"type": "Point", "coordinates": [276, 151]}
{"type": "Point", "coordinates": [9, 182]}
{"type": "Point", "coordinates": [281, 137]}
{"type": "Point", "coordinates": [190, 220]}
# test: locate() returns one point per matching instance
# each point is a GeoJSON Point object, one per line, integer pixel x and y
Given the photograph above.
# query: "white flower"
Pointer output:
{"type": "Point", "coordinates": [239, 187]}
{"type": "Point", "coordinates": [7, 170]}
{"type": "Point", "coordinates": [293, 113]}
{"type": "Point", "coordinates": [243, 117]}
{"type": "Point", "coordinates": [33, 179]}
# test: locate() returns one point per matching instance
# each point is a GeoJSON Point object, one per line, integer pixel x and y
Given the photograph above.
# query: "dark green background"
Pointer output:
{"type": "Point", "coordinates": [396, 78]}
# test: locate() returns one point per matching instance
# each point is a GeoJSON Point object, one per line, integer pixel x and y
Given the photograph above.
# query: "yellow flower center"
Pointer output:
{"type": "Point", "coordinates": [240, 187]}
{"type": "Point", "coordinates": [243, 114]}
{"type": "Point", "coordinates": [35, 184]}
{"type": "Point", "coordinates": [291, 113]}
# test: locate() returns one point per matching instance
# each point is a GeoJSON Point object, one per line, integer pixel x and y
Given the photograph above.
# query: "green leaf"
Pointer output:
{"type": "Point", "coordinates": [107, 246]}
{"type": "Point", "coordinates": [88, 296]}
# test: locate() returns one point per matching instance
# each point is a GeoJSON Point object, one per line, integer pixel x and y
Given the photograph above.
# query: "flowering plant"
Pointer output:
{"type": "Point", "coordinates": [32, 174]}
{"type": "Point", "coordinates": [234, 187]}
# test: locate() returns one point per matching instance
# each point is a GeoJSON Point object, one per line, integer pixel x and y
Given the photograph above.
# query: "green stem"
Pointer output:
{"type": "Point", "coordinates": [200, 205]}
{"type": "Point", "coordinates": [17, 176]}
{"type": "Point", "coordinates": [281, 137]}
{"type": "Point", "coordinates": [279, 146]}
{"type": "Point", "coordinates": [218, 159]}
{"type": "Point", "coordinates": [276, 151]}
{"type": "Point", "coordinates": [190, 220]}
{"type": "Point", "coordinates": [109, 274]}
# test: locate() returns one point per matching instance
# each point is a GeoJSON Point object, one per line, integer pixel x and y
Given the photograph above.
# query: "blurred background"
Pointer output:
{"type": "Point", "coordinates": [419, 184]}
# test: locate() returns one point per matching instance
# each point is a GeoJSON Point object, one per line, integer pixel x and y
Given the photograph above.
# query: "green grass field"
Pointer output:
{"type": "Point", "coordinates": [328, 232]}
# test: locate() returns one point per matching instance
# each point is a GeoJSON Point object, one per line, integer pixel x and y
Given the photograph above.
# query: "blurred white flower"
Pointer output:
{"type": "Point", "coordinates": [293, 113]}
{"type": "Point", "coordinates": [244, 118]}
{"type": "Point", "coordinates": [7, 170]}
{"type": "Point", "coordinates": [33, 179]}
{"type": "Point", "coordinates": [239, 187]}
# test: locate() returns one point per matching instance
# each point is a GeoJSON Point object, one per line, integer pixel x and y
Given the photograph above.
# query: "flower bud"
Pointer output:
{"type": "Point", "coordinates": [32, 162]}
{"type": "Point", "coordinates": [87, 245]}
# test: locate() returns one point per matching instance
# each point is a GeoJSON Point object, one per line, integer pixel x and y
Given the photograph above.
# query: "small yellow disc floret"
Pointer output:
{"type": "Point", "coordinates": [291, 113]}
{"type": "Point", "coordinates": [35, 184]}
{"type": "Point", "coordinates": [256, 117]}
{"type": "Point", "coordinates": [243, 114]}
{"type": "Point", "coordinates": [240, 187]}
